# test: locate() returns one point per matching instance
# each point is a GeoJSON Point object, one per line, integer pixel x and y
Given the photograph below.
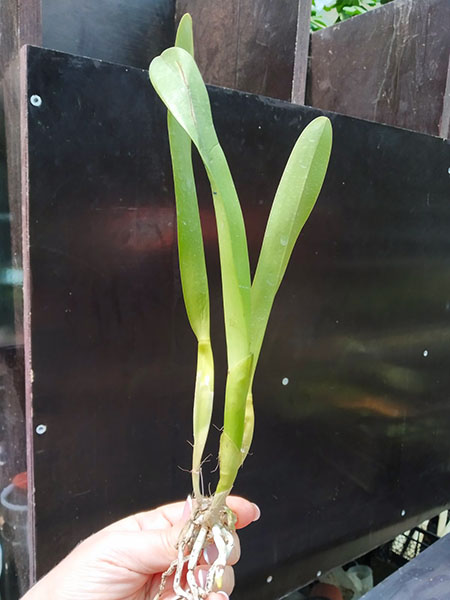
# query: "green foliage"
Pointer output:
{"type": "Point", "coordinates": [177, 80]}
{"type": "Point", "coordinates": [328, 12]}
{"type": "Point", "coordinates": [194, 279]}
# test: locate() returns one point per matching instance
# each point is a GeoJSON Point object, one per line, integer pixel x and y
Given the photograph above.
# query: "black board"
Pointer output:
{"type": "Point", "coordinates": [130, 32]}
{"type": "Point", "coordinates": [355, 447]}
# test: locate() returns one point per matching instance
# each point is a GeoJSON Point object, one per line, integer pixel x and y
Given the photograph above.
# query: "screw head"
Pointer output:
{"type": "Point", "coordinates": [36, 100]}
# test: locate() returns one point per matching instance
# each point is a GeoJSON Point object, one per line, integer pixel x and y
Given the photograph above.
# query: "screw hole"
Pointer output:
{"type": "Point", "coordinates": [36, 100]}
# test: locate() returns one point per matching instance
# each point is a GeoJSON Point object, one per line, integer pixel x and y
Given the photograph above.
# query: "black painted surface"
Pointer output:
{"type": "Point", "coordinates": [361, 327]}
{"type": "Point", "coordinates": [424, 578]}
{"type": "Point", "coordinates": [130, 32]}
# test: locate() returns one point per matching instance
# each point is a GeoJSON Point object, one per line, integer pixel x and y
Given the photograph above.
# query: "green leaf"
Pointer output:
{"type": "Point", "coordinates": [178, 82]}
{"type": "Point", "coordinates": [352, 11]}
{"type": "Point", "coordinates": [295, 198]}
{"type": "Point", "coordinates": [296, 195]}
{"type": "Point", "coordinates": [194, 279]}
{"type": "Point", "coordinates": [191, 253]}
{"type": "Point", "coordinates": [185, 36]}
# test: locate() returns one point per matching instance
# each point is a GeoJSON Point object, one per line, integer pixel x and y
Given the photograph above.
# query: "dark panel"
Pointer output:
{"type": "Point", "coordinates": [130, 32]}
{"type": "Point", "coordinates": [245, 45]}
{"type": "Point", "coordinates": [360, 332]}
{"type": "Point", "coordinates": [424, 578]}
{"type": "Point", "coordinates": [389, 65]}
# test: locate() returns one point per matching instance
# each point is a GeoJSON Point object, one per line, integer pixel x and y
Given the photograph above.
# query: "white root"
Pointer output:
{"type": "Point", "coordinates": [217, 569]}
{"type": "Point", "coordinates": [197, 548]}
{"type": "Point", "coordinates": [177, 580]}
{"type": "Point", "coordinates": [203, 529]}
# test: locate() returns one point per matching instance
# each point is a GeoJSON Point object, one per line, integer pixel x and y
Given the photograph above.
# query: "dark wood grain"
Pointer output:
{"type": "Point", "coordinates": [16, 138]}
{"type": "Point", "coordinates": [444, 128]}
{"type": "Point", "coordinates": [301, 52]}
{"type": "Point", "coordinates": [389, 65]}
{"type": "Point", "coordinates": [20, 23]}
{"type": "Point", "coordinates": [245, 45]}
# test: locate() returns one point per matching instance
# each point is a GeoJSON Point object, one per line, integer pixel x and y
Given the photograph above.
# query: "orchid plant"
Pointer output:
{"type": "Point", "coordinates": [247, 304]}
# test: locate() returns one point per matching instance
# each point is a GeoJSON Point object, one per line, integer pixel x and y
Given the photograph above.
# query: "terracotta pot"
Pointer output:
{"type": "Point", "coordinates": [324, 590]}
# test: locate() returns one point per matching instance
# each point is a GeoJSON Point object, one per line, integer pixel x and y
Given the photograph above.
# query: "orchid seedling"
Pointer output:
{"type": "Point", "coordinates": [247, 304]}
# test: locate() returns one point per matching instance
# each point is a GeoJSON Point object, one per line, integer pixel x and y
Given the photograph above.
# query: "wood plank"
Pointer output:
{"type": "Point", "coordinates": [389, 65]}
{"type": "Point", "coordinates": [301, 52]}
{"type": "Point", "coordinates": [444, 127]}
{"type": "Point", "coordinates": [20, 23]}
{"type": "Point", "coordinates": [245, 45]}
{"type": "Point", "coordinates": [16, 136]}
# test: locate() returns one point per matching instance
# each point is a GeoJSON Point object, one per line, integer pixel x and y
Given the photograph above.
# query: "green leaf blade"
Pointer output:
{"type": "Point", "coordinates": [194, 279]}
{"type": "Point", "coordinates": [295, 198]}
{"type": "Point", "coordinates": [185, 38]}
{"type": "Point", "coordinates": [177, 80]}
{"type": "Point", "coordinates": [191, 253]}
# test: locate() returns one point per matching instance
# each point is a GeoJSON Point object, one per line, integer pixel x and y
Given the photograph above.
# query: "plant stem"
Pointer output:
{"type": "Point", "coordinates": [203, 404]}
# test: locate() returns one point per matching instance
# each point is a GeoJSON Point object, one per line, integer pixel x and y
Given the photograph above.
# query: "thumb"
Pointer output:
{"type": "Point", "coordinates": [147, 551]}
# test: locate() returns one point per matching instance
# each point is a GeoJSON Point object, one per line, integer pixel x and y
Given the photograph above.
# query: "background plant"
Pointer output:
{"type": "Point", "coordinates": [328, 12]}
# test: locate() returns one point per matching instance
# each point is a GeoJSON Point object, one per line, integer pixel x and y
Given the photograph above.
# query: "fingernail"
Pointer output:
{"type": "Point", "coordinates": [201, 574]}
{"type": "Point", "coordinates": [224, 594]}
{"type": "Point", "coordinates": [187, 509]}
{"type": "Point", "coordinates": [210, 554]}
{"type": "Point", "coordinates": [258, 512]}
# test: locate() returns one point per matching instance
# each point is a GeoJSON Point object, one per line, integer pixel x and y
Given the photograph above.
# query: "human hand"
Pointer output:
{"type": "Point", "coordinates": [125, 560]}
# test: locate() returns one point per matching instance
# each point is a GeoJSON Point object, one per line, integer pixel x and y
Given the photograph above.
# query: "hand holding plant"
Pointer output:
{"type": "Point", "coordinates": [247, 305]}
{"type": "Point", "coordinates": [128, 558]}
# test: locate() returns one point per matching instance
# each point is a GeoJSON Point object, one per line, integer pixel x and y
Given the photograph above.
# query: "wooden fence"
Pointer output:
{"type": "Point", "coordinates": [390, 65]}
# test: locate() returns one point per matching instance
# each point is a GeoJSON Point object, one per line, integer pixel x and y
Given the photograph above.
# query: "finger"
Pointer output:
{"type": "Point", "coordinates": [210, 553]}
{"type": "Point", "coordinates": [227, 579]}
{"type": "Point", "coordinates": [165, 516]}
{"type": "Point", "coordinates": [170, 514]}
{"type": "Point", "coordinates": [245, 511]}
{"type": "Point", "coordinates": [149, 551]}
{"type": "Point", "coordinates": [219, 596]}
{"type": "Point", "coordinates": [158, 518]}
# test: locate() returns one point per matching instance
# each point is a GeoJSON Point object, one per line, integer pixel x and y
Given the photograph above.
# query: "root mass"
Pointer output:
{"type": "Point", "coordinates": [211, 522]}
